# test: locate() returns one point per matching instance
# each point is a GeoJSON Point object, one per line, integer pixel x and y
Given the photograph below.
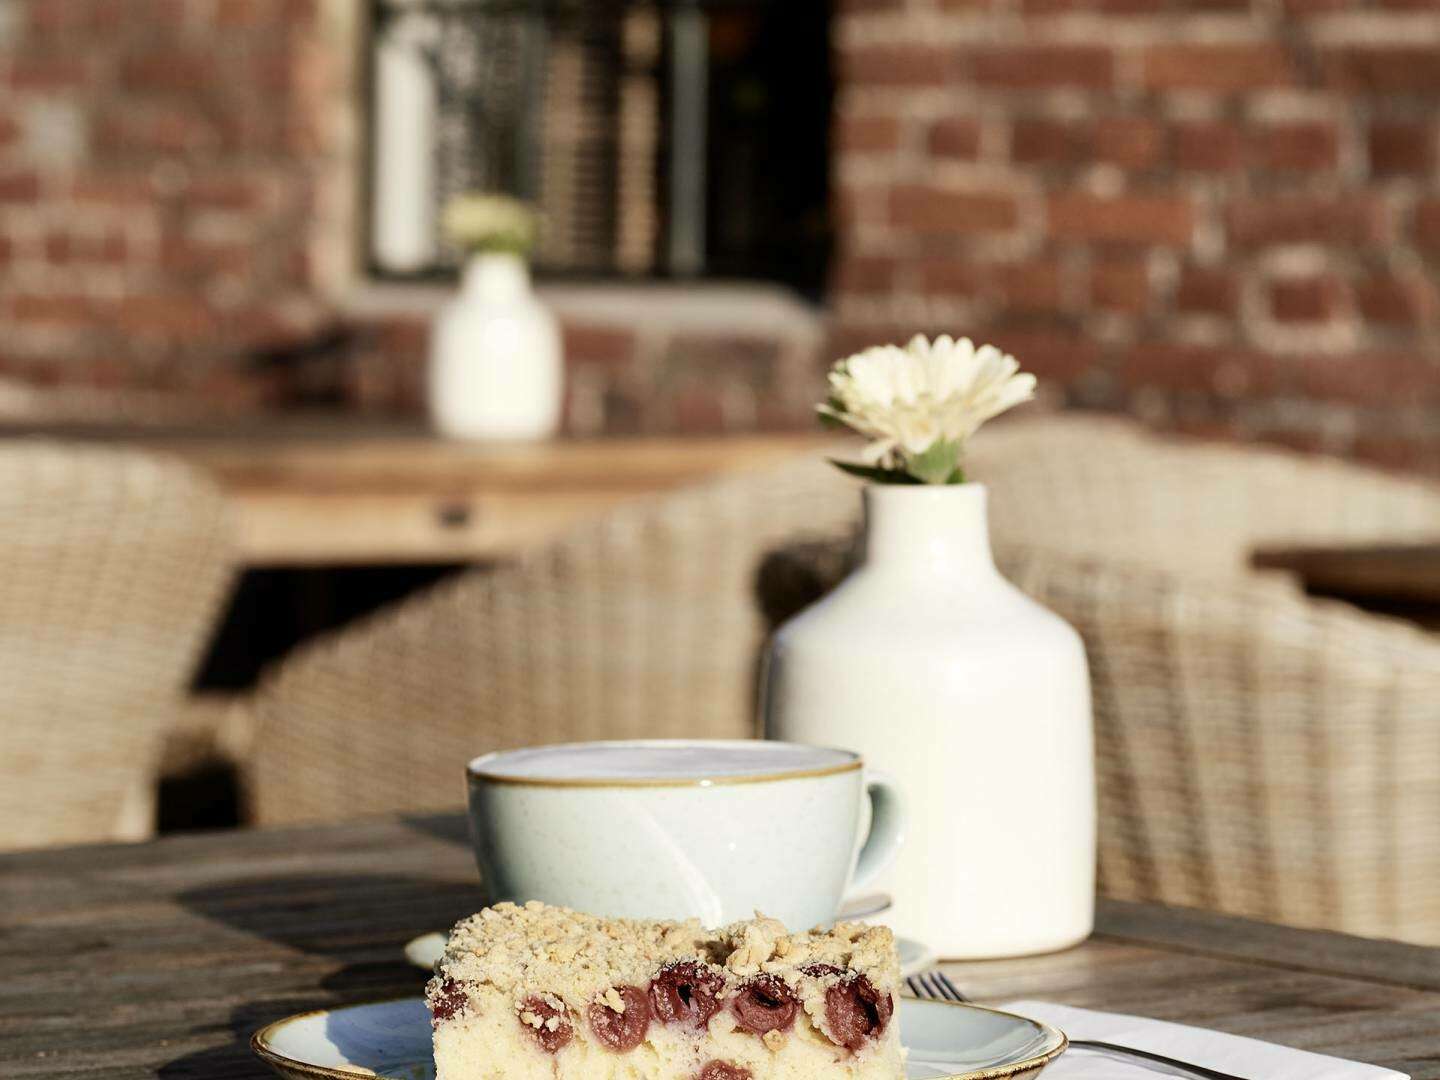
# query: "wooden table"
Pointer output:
{"type": "Point", "coordinates": [160, 959]}
{"type": "Point", "coordinates": [329, 492]}
{"type": "Point", "coordinates": [1398, 579]}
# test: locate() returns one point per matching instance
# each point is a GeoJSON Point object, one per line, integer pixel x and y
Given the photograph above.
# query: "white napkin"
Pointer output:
{"type": "Point", "coordinates": [1249, 1058]}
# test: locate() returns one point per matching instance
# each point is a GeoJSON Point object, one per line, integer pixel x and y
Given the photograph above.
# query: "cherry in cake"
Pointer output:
{"type": "Point", "coordinates": [532, 992]}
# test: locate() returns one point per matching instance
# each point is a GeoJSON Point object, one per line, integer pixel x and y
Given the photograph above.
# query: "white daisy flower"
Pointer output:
{"type": "Point", "coordinates": [918, 405]}
{"type": "Point", "coordinates": [480, 222]}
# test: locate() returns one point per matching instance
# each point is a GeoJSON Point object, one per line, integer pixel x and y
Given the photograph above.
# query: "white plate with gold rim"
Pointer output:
{"type": "Point", "coordinates": [946, 1041]}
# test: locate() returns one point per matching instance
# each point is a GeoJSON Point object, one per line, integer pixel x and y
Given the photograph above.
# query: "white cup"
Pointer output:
{"type": "Point", "coordinates": [681, 828]}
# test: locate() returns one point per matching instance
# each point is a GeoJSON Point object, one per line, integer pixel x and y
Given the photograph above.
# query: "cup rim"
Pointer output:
{"type": "Point", "coordinates": [476, 771]}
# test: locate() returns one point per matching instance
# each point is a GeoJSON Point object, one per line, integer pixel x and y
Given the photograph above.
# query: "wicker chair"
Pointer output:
{"type": "Point", "coordinates": [114, 564]}
{"type": "Point", "coordinates": [638, 624]}
{"type": "Point", "coordinates": [1106, 488]}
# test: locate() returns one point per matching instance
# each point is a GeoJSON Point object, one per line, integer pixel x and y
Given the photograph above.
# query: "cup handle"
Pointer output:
{"type": "Point", "coordinates": [887, 829]}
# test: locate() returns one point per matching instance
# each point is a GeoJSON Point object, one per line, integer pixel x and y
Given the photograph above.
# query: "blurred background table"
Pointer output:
{"type": "Point", "coordinates": [1402, 580]}
{"type": "Point", "coordinates": [160, 959]}
{"type": "Point", "coordinates": [352, 493]}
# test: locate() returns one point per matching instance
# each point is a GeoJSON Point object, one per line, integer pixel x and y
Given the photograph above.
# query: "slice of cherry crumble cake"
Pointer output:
{"type": "Point", "coordinates": [545, 992]}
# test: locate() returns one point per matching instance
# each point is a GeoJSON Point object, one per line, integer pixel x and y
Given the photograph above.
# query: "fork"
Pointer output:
{"type": "Point", "coordinates": [935, 985]}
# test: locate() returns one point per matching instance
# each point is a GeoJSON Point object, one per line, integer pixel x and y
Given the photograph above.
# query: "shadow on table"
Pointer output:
{"type": "Point", "coordinates": [349, 933]}
{"type": "Point", "coordinates": [364, 920]}
{"type": "Point", "coordinates": [234, 1060]}
{"type": "Point", "coordinates": [452, 828]}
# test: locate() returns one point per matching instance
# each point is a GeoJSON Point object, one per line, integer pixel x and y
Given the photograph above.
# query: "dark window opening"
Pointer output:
{"type": "Point", "coordinates": [658, 140]}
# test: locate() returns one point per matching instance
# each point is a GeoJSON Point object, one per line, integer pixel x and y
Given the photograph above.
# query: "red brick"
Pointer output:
{"type": "Point", "coordinates": [592, 343]}
{"type": "Point", "coordinates": [1384, 69]}
{"type": "Point", "coordinates": [231, 191]}
{"type": "Point", "coordinates": [1217, 68]}
{"type": "Point", "coordinates": [1048, 142]}
{"type": "Point", "coordinates": [955, 277]}
{"type": "Point", "coordinates": [1131, 142]}
{"type": "Point", "coordinates": [53, 308]}
{"type": "Point", "coordinates": [1296, 147]}
{"type": "Point", "coordinates": [113, 189]}
{"type": "Point", "coordinates": [1133, 219]}
{"type": "Point", "coordinates": [1314, 299]}
{"type": "Point", "coordinates": [168, 71]}
{"type": "Point", "coordinates": [1427, 224]}
{"type": "Point", "coordinates": [863, 274]}
{"type": "Point", "coordinates": [1049, 354]}
{"type": "Point", "coordinates": [46, 73]}
{"type": "Point", "coordinates": [19, 187]}
{"type": "Point", "coordinates": [896, 65]}
{"type": "Point", "coordinates": [1397, 452]}
{"type": "Point", "coordinates": [166, 317]}
{"type": "Point", "coordinates": [1102, 7]}
{"type": "Point", "coordinates": [1408, 300]}
{"type": "Point", "coordinates": [1208, 147]}
{"type": "Point", "coordinates": [867, 134]}
{"type": "Point", "coordinates": [955, 137]}
{"type": "Point", "coordinates": [64, 247]}
{"type": "Point", "coordinates": [1120, 285]}
{"type": "Point", "coordinates": [164, 128]}
{"type": "Point", "coordinates": [699, 412]}
{"type": "Point", "coordinates": [1368, 379]}
{"type": "Point", "coordinates": [1203, 291]}
{"type": "Point", "coordinates": [1025, 67]}
{"type": "Point", "coordinates": [235, 14]}
{"type": "Point", "coordinates": [1356, 220]}
{"type": "Point", "coordinates": [190, 258]}
{"type": "Point", "coordinates": [1031, 287]}
{"type": "Point", "coordinates": [939, 211]}
{"type": "Point", "coordinates": [1398, 147]}
{"type": "Point", "coordinates": [1225, 372]}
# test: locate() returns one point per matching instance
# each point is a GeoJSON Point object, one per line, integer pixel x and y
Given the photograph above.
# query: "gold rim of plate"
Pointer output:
{"type": "Point", "coordinates": [475, 775]}
{"type": "Point", "coordinates": [259, 1044]}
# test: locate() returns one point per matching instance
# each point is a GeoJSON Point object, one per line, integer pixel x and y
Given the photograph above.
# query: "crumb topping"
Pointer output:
{"type": "Point", "coordinates": [567, 958]}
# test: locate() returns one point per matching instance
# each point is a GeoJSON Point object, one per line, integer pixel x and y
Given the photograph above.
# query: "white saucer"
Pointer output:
{"type": "Point", "coordinates": [426, 949]}
{"type": "Point", "coordinates": [392, 1039]}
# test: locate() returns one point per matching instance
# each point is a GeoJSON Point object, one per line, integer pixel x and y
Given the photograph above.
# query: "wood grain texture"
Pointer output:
{"type": "Point", "coordinates": [158, 960]}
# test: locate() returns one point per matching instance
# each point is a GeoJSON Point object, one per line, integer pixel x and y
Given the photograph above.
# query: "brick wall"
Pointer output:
{"type": "Point", "coordinates": [1222, 215]}
{"type": "Point", "coordinates": [165, 210]}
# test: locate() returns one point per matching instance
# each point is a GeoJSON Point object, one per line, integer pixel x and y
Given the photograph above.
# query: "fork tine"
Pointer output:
{"type": "Point", "coordinates": [941, 989]}
{"type": "Point", "coordinates": [926, 990]}
{"type": "Point", "coordinates": [951, 990]}
{"type": "Point", "coordinates": [916, 990]}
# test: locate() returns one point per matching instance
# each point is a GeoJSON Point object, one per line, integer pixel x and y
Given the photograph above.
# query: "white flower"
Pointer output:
{"type": "Point", "coordinates": [480, 222]}
{"type": "Point", "coordinates": [924, 400]}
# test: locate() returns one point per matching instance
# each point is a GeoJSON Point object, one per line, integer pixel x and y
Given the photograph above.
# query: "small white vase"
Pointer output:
{"type": "Point", "coordinates": [977, 701]}
{"type": "Point", "coordinates": [495, 360]}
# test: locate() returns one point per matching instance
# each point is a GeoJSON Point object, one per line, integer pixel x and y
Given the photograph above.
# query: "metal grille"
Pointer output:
{"type": "Point", "coordinates": [560, 105]}
{"type": "Point", "coordinates": [599, 113]}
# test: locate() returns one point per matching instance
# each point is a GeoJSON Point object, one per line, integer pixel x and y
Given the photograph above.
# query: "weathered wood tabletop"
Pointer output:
{"type": "Point", "coordinates": [160, 959]}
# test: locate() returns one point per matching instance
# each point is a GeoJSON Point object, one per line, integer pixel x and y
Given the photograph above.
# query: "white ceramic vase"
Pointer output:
{"type": "Point", "coordinates": [977, 701]}
{"type": "Point", "coordinates": [495, 359]}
